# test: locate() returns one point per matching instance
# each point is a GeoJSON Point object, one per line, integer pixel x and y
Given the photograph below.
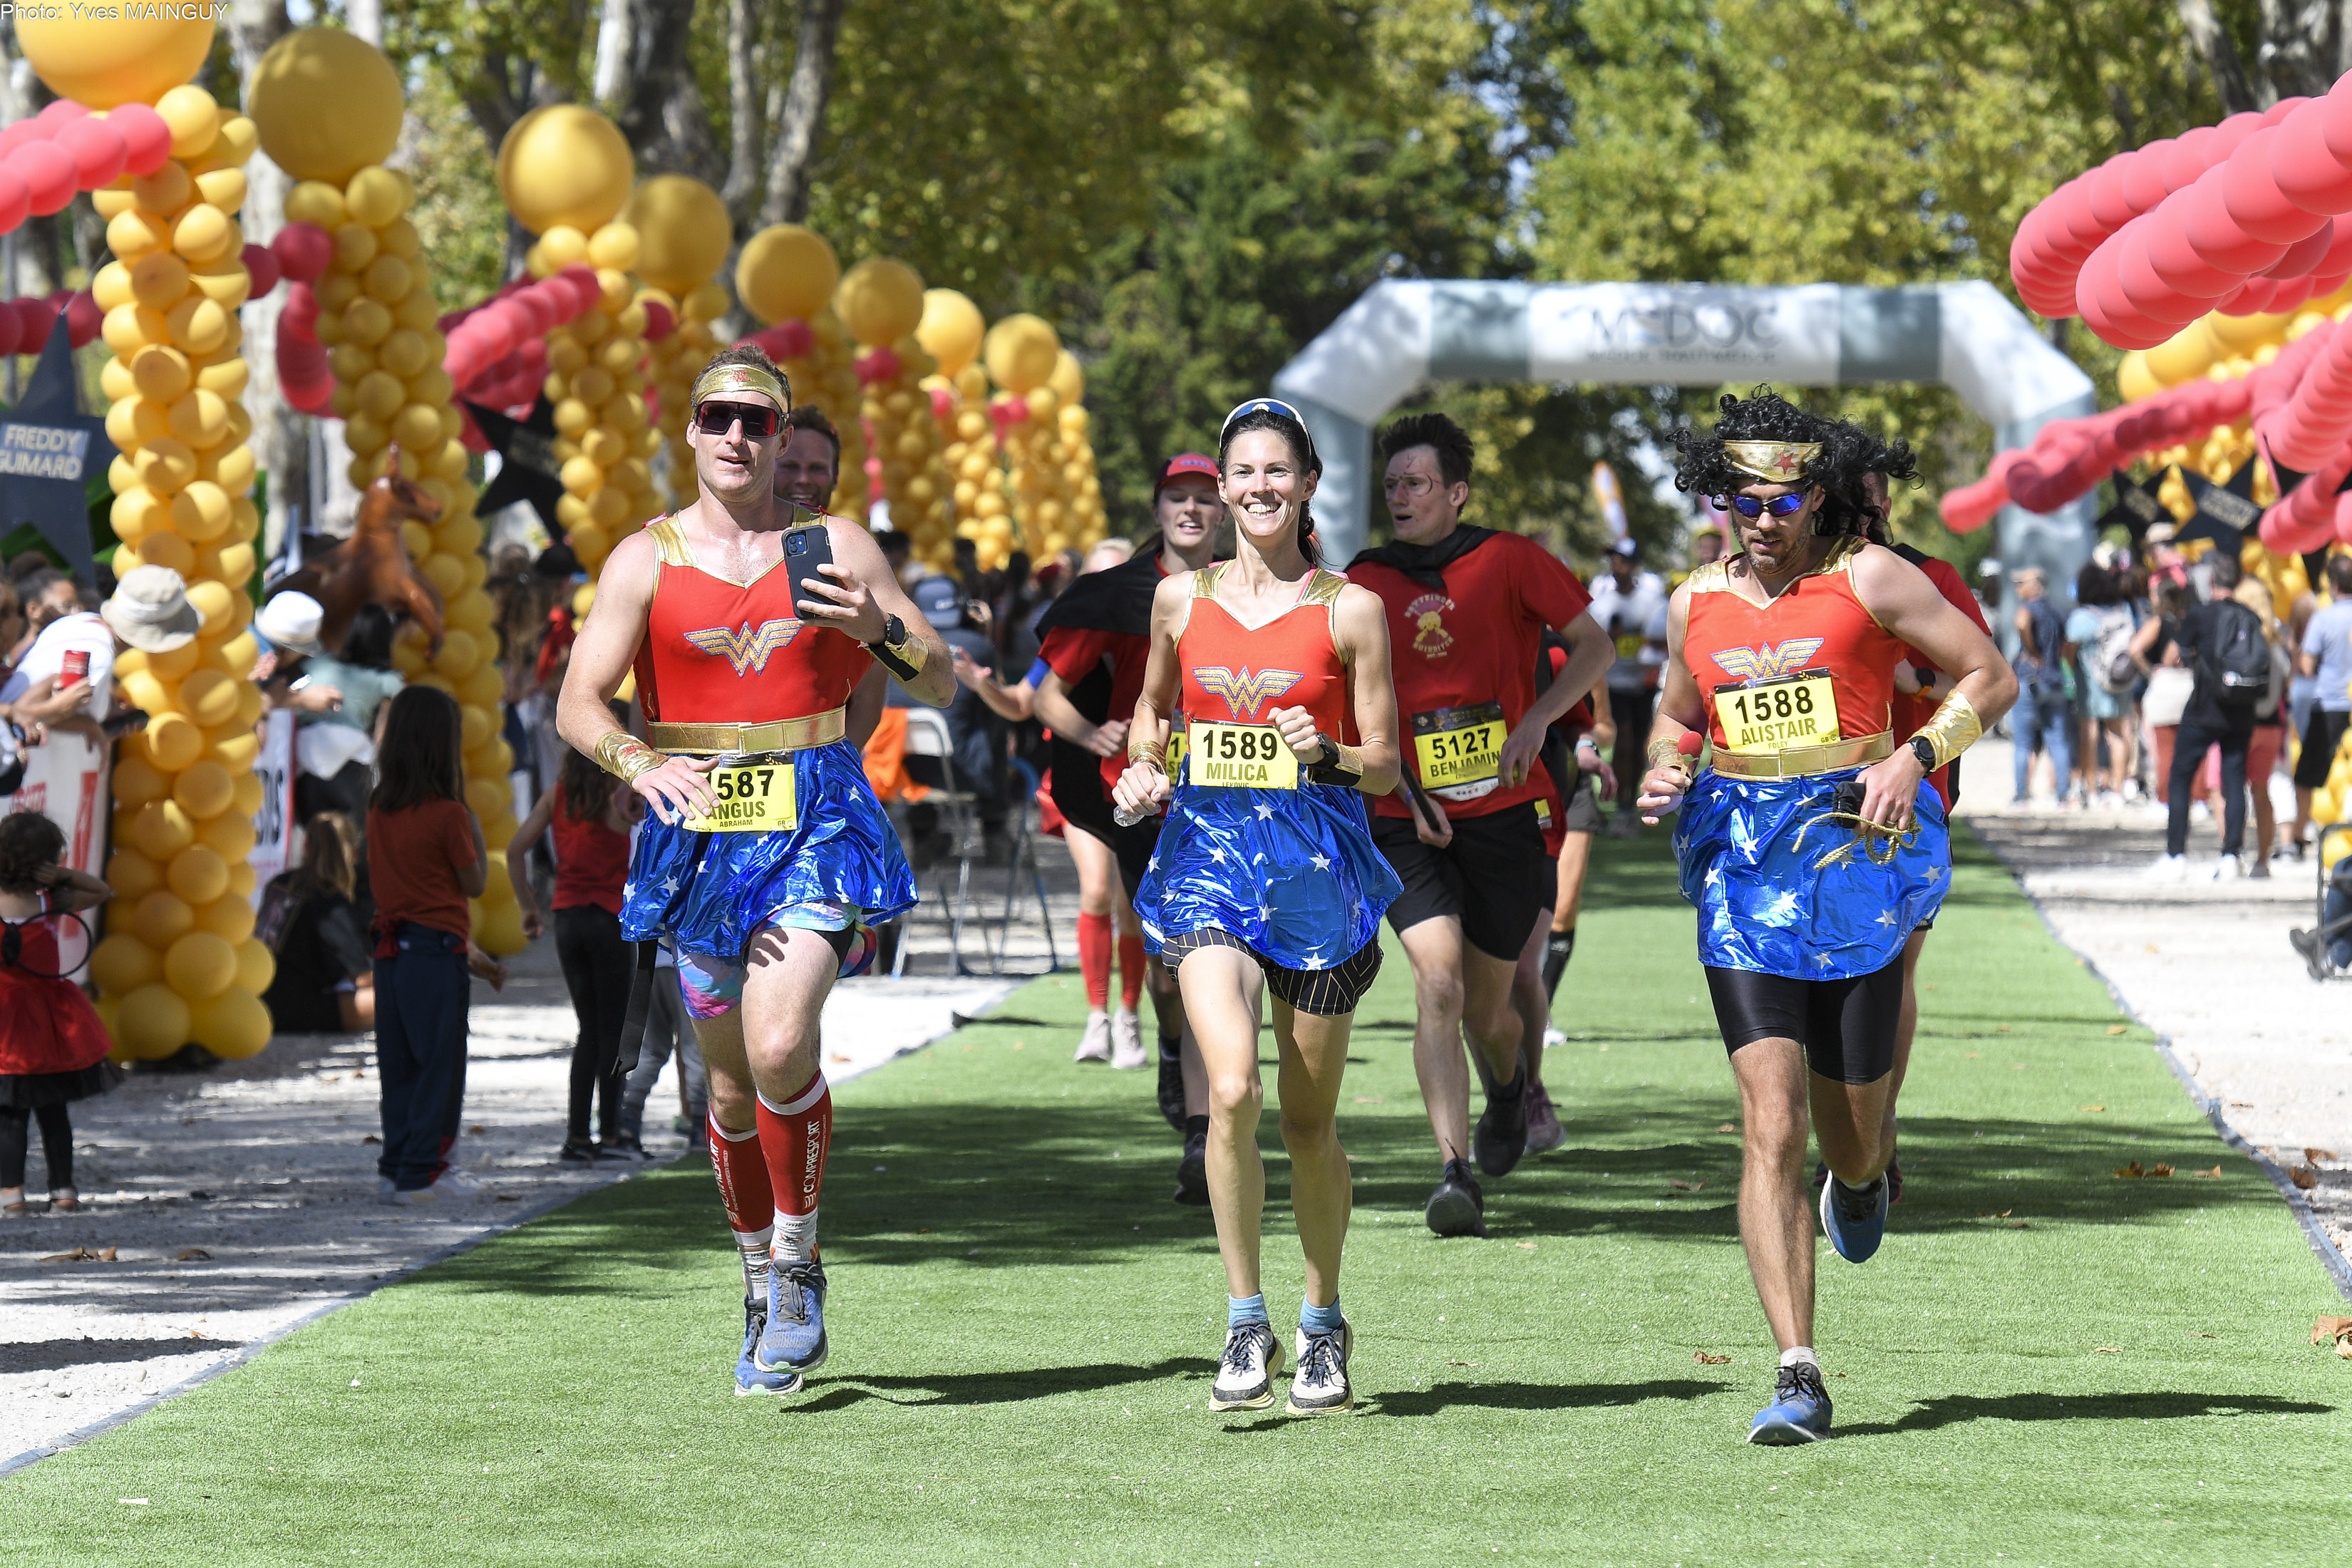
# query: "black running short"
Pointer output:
{"type": "Point", "coordinates": [1493, 877]}
{"type": "Point", "coordinates": [1134, 847]}
{"type": "Point", "coordinates": [1074, 780]}
{"type": "Point", "coordinates": [1846, 1027]}
{"type": "Point", "coordinates": [1326, 993]}
{"type": "Point", "coordinates": [2320, 734]}
{"type": "Point", "coordinates": [1584, 813]}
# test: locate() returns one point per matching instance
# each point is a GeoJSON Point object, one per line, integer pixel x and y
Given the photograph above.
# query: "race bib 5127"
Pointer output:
{"type": "Point", "coordinates": [1239, 756]}
{"type": "Point", "coordinates": [753, 798]}
{"type": "Point", "coordinates": [1767, 717]}
{"type": "Point", "coordinates": [1458, 749]}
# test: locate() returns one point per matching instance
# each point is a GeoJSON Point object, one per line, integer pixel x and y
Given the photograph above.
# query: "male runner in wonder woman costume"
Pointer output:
{"type": "Point", "coordinates": [766, 860]}
{"type": "Point", "coordinates": [1809, 842]}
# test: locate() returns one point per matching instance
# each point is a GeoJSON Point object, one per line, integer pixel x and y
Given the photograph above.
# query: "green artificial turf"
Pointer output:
{"type": "Point", "coordinates": [2045, 1363]}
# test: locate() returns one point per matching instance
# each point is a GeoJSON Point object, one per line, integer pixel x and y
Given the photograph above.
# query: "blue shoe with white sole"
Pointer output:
{"type": "Point", "coordinates": [794, 1338]}
{"type": "Point", "coordinates": [1800, 1411]}
{"type": "Point", "coordinates": [1855, 1219]}
{"type": "Point", "coordinates": [749, 1378]}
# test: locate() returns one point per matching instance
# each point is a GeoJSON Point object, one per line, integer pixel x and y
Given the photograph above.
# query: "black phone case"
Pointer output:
{"type": "Point", "coordinates": [806, 550]}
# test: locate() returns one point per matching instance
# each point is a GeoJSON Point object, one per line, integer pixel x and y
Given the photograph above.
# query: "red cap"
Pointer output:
{"type": "Point", "coordinates": [1186, 463]}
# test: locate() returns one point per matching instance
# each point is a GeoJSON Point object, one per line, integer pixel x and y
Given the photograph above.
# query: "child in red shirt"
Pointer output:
{"type": "Point", "coordinates": [53, 1047]}
{"type": "Point", "coordinates": [426, 858]}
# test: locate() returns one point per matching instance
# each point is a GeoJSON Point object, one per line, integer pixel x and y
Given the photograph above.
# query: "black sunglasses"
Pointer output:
{"type": "Point", "coordinates": [1778, 506]}
{"type": "Point", "coordinates": [758, 419]}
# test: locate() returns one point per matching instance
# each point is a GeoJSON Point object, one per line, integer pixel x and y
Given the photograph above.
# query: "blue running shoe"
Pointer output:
{"type": "Point", "coordinates": [794, 1340]}
{"type": "Point", "coordinates": [1855, 1219]}
{"type": "Point", "coordinates": [750, 1377]}
{"type": "Point", "coordinates": [1800, 1411]}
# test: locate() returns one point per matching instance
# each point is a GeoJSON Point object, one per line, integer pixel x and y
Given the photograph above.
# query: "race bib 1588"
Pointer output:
{"type": "Point", "coordinates": [1779, 715]}
{"type": "Point", "coordinates": [753, 798]}
{"type": "Point", "coordinates": [1239, 756]}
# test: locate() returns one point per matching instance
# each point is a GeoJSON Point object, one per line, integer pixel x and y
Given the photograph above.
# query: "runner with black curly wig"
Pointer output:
{"type": "Point", "coordinates": [1809, 841]}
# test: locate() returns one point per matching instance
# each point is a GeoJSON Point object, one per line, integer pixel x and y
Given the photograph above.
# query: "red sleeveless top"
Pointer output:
{"type": "Point", "coordinates": [47, 1024]}
{"type": "Point", "coordinates": [592, 860]}
{"type": "Point", "coordinates": [720, 652]}
{"type": "Point", "coordinates": [1817, 625]}
{"type": "Point", "coordinates": [1233, 675]}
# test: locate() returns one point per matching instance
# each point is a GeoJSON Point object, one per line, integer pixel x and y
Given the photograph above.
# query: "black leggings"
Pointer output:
{"type": "Point", "coordinates": [597, 969]}
{"type": "Point", "coordinates": [16, 1144]}
{"type": "Point", "coordinates": [1846, 1027]}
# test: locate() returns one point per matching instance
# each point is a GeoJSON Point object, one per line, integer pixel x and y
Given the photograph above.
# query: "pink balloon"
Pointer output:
{"type": "Point", "coordinates": [2341, 523]}
{"type": "Point", "coordinates": [303, 251]}
{"type": "Point", "coordinates": [2215, 235]}
{"type": "Point", "coordinates": [12, 330]}
{"type": "Point", "coordinates": [97, 150]}
{"type": "Point", "coordinates": [2176, 261]}
{"type": "Point", "coordinates": [2142, 288]}
{"type": "Point", "coordinates": [2143, 181]}
{"type": "Point", "coordinates": [2251, 194]}
{"type": "Point", "coordinates": [83, 318]}
{"type": "Point", "coordinates": [2276, 113]}
{"type": "Point", "coordinates": [2304, 255]}
{"type": "Point", "coordinates": [16, 201]}
{"type": "Point", "coordinates": [2075, 218]}
{"type": "Point", "coordinates": [261, 264]}
{"type": "Point", "coordinates": [585, 288]}
{"type": "Point", "coordinates": [536, 306]}
{"type": "Point", "coordinates": [2187, 162]}
{"type": "Point", "coordinates": [659, 320]}
{"type": "Point", "coordinates": [48, 172]}
{"type": "Point", "coordinates": [17, 132]}
{"type": "Point", "coordinates": [60, 112]}
{"type": "Point", "coordinates": [146, 138]}
{"type": "Point", "coordinates": [2228, 134]}
{"type": "Point", "coordinates": [793, 339]}
{"type": "Point", "coordinates": [2271, 531]}
{"type": "Point", "coordinates": [2110, 208]}
{"type": "Point", "coordinates": [2307, 173]}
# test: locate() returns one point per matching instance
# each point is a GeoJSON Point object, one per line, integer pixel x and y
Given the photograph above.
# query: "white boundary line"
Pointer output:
{"type": "Point", "coordinates": [2339, 1269]}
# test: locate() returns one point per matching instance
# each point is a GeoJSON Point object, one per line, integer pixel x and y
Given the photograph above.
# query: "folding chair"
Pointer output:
{"type": "Point", "coordinates": [930, 761]}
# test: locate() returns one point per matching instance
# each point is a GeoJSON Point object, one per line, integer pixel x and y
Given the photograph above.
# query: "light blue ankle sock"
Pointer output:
{"type": "Point", "coordinates": [1315, 1319]}
{"type": "Point", "coordinates": [1240, 1310]}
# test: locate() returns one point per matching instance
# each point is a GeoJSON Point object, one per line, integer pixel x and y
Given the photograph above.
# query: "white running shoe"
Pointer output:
{"type": "Point", "coordinates": [455, 1183]}
{"type": "Point", "coordinates": [2169, 868]}
{"type": "Point", "coordinates": [1095, 1046]}
{"type": "Point", "coordinates": [1554, 1040]}
{"type": "Point", "coordinates": [1127, 1041]}
{"type": "Point", "coordinates": [1319, 1386]}
{"type": "Point", "coordinates": [398, 1198]}
{"type": "Point", "coordinates": [2229, 869]}
{"type": "Point", "coordinates": [1246, 1374]}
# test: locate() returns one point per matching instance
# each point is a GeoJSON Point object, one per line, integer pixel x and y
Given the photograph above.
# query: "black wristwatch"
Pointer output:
{"type": "Point", "coordinates": [1925, 749]}
{"type": "Point", "coordinates": [894, 632]}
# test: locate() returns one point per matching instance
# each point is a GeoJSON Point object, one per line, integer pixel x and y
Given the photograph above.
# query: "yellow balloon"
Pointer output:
{"type": "Point", "coordinates": [1021, 353]}
{"type": "Point", "coordinates": [880, 300]}
{"type": "Point", "coordinates": [1069, 379]}
{"type": "Point", "coordinates": [150, 1022]}
{"type": "Point", "coordinates": [235, 1024]}
{"type": "Point", "coordinates": [229, 918]}
{"type": "Point", "coordinates": [786, 273]}
{"type": "Point", "coordinates": [229, 835]}
{"type": "Point", "coordinates": [256, 966]}
{"type": "Point", "coordinates": [197, 874]}
{"type": "Point", "coordinates": [564, 164]}
{"type": "Point", "coordinates": [615, 244]}
{"type": "Point", "coordinates": [159, 918]}
{"type": "Point", "coordinates": [132, 874]}
{"type": "Point", "coordinates": [106, 57]}
{"type": "Point", "coordinates": [162, 829]}
{"type": "Point", "coordinates": [122, 963]}
{"type": "Point", "coordinates": [951, 329]}
{"type": "Point", "coordinates": [200, 964]}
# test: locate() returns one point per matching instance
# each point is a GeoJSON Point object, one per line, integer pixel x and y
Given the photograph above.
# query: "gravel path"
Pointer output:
{"type": "Point", "coordinates": [2206, 964]}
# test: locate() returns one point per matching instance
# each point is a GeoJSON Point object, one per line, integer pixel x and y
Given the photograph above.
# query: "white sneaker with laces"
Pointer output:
{"type": "Point", "coordinates": [1554, 1040]}
{"type": "Point", "coordinates": [2169, 868]}
{"type": "Point", "coordinates": [2229, 869]}
{"type": "Point", "coordinates": [1319, 1386]}
{"type": "Point", "coordinates": [1246, 1374]}
{"type": "Point", "coordinates": [1127, 1041]}
{"type": "Point", "coordinates": [1094, 1046]}
{"type": "Point", "coordinates": [455, 1183]}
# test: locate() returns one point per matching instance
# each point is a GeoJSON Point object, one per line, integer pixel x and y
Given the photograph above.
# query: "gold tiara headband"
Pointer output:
{"type": "Point", "coordinates": [1775, 462]}
{"type": "Point", "coordinates": [721, 379]}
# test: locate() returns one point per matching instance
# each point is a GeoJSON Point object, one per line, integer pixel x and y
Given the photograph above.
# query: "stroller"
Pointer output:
{"type": "Point", "coordinates": [2326, 949]}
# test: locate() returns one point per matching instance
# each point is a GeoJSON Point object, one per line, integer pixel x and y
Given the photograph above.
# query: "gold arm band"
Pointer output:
{"type": "Point", "coordinates": [1953, 729]}
{"type": "Point", "coordinates": [1144, 751]}
{"type": "Point", "coordinates": [779, 735]}
{"type": "Point", "coordinates": [1342, 766]}
{"type": "Point", "coordinates": [625, 757]}
{"type": "Point", "coordinates": [1668, 754]}
{"type": "Point", "coordinates": [903, 658]}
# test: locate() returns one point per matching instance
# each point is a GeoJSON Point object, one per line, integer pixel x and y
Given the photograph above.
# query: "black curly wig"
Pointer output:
{"type": "Point", "coordinates": [1848, 452]}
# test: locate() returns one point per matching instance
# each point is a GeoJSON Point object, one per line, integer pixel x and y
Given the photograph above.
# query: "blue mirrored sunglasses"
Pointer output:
{"type": "Point", "coordinates": [1778, 506]}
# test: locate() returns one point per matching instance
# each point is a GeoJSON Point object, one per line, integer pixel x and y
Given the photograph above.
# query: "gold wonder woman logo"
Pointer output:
{"type": "Point", "coordinates": [747, 650]}
{"type": "Point", "coordinates": [1764, 663]}
{"type": "Point", "coordinates": [1244, 693]}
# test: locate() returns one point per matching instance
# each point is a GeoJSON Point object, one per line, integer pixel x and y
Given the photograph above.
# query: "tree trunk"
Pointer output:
{"type": "Point", "coordinates": [2300, 45]}
{"type": "Point", "coordinates": [662, 115]}
{"type": "Point", "coordinates": [2220, 55]}
{"type": "Point", "coordinates": [803, 117]}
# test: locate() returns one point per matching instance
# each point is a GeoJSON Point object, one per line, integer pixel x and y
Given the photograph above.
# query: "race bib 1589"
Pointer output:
{"type": "Point", "coordinates": [1784, 714]}
{"type": "Point", "coordinates": [1239, 756]}
{"type": "Point", "coordinates": [753, 798]}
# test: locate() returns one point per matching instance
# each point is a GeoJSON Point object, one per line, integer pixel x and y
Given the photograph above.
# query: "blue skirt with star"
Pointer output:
{"type": "Point", "coordinates": [1762, 862]}
{"type": "Point", "coordinates": [712, 892]}
{"type": "Point", "coordinates": [1292, 873]}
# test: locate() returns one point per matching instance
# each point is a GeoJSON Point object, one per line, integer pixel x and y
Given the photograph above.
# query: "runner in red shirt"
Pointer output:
{"type": "Point", "coordinates": [1466, 607]}
{"type": "Point", "coordinates": [1103, 623]}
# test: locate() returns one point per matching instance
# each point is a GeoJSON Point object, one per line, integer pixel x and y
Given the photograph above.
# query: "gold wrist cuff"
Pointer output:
{"type": "Point", "coordinates": [1665, 753]}
{"type": "Point", "coordinates": [1954, 728]}
{"type": "Point", "coordinates": [625, 757]}
{"type": "Point", "coordinates": [903, 658]}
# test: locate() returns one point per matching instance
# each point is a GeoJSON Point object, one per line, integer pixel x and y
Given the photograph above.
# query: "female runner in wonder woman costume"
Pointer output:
{"type": "Point", "coordinates": [1267, 867]}
{"type": "Point", "coordinates": [1810, 841]}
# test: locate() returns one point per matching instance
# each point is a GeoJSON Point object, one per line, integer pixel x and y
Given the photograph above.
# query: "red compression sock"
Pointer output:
{"type": "Point", "coordinates": [794, 1136]}
{"type": "Point", "coordinates": [1130, 970]}
{"type": "Point", "coordinates": [1094, 958]}
{"type": "Point", "coordinates": [743, 1187]}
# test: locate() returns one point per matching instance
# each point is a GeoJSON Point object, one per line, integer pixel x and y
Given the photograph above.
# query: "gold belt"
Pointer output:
{"type": "Point", "coordinates": [777, 735]}
{"type": "Point", "coordinates": [1802, 761]}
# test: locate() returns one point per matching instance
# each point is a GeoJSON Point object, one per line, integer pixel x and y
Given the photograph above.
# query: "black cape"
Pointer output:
{"type": "Point", "coordinates": [1426, 563]}
{"type": "Point", "coordinates": [1117, 600]}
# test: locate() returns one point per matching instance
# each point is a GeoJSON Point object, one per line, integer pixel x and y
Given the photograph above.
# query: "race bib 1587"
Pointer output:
{"type": "Point", "coordinates": [753, 798]}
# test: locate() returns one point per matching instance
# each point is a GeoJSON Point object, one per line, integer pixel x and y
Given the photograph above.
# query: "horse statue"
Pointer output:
{"type": "Point", "coordinates": [372, 565]}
